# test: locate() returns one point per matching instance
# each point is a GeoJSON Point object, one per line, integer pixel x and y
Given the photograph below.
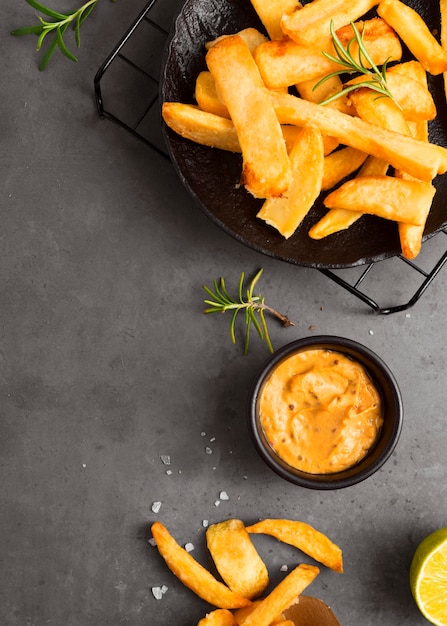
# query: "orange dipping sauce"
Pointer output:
{"type": "Point", "coordinates": [320, 411]}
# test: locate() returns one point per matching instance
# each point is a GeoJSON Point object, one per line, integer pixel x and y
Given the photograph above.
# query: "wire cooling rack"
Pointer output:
{"type": "Point", "coordinates": [127, 91]}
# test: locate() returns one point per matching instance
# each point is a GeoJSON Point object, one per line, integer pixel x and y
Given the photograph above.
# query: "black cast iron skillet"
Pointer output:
{"type": "Point", "coordinates": [211, 176]}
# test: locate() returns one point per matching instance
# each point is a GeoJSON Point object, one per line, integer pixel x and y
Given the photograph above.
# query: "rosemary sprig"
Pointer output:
{"type": "Point", "coordinates": [55, 27]}
{"type": "Point", "coordinates": [253, 306]}
{"type": "Point", "coordinates": [364, 65]}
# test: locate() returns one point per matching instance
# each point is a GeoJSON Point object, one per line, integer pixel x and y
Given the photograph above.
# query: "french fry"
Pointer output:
{"type": "Point", "coordinates": [270, 13]}
{"type": "Point", "coordinates": [252, 37]}
{"type": "Point", "coordinates": [284, 62]}
{"type": "Point", "coordinates": [200, 126]}
{"type": "Point", "coordinates": [266, 166]}
{"type": "Point", "coordinates": [214, 131]}
{"type": "Point", "coordinates": [422, 160]}
{"type": "Point", "coordinates": [304, 537]}
{"type": "Point", "coordinates": [307, 161]}
{"type": "Point", "coordinates": [412, 97]}
{"type": "Point", "coordinates": [236, 558]}
{"type": "Point", "coordinates": [283, 595]}
{"type": "Point", "coordinates": [388, 197]}
{"type": "Point", "coordinates": [381, 111]}
{"type": "Point", "coordinates": [207, 97]}
{"type": "Point", "coordinates": [325, 90]}
{"type": "Point", "coordinates": [241, 614]}
{"type": "Point", "coordinates": [218, 617]}
{"type": "Point", "coordinates": [313, 20]}
{"type": "Point", "coordinates": [415, 33]}
{"type": "Point", "coordinates": [192, 574]}
{"type": "Point", "coordinates": [443, 10]}
{"type": "Point", "coordinates": [340, 164]}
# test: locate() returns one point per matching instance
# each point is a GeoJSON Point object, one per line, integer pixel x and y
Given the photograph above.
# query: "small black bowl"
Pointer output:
{"type": "Point", "coordinates": [389, 434]}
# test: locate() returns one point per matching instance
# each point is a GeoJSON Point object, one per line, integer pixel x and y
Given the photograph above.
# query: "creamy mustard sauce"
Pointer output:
{"type": "Point", "coordinates": [320, 411]}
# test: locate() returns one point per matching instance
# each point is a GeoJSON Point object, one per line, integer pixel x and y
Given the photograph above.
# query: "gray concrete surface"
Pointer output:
{"type": "Point", "coordinates": [108, 363]}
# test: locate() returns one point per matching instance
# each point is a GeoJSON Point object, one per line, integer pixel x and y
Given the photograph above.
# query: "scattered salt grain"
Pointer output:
{"type": "Point", "coordinates": [168, 472]}
{"type": "Point", "coordinates": [165, 459]}
{"type": "Point", "coordinates": [213, 439]}
{"type": "Point", "coordinates": [203, 433]}
{"type": "Point", "coordinates": [156, 506]}
{"type": "Point", "coordinates": [205, 523]}
{"type": "Point", "coordinates": [283, 568]}
{"type": "Point", "coordinates": [224, 496]}
{"type": "Point", "coordinates": [152, 541]}
{"type": "Point", "coordinates": [371, 332]}
{"type": "Point", "coordinates": [216, 503]}
{"type": "Point", "coordinates": [189, 547]}
{"type": "Point", "coordinates": [208, 450]}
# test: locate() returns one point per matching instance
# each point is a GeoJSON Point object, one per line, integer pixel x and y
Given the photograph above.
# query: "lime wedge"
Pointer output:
{"type": "Point", "coordinates": [428, 577]}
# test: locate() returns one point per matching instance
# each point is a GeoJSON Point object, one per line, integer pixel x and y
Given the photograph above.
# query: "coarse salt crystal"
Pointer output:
{"type": "Point", "coordinates": [216, 503]}
{"type": "Point", "coordinates": [152, 541]}
{"type": "Point", "coordinates": [156, 506]}
{"type": "Point", "coordinates": [205, 523]}
{"type": "Point", "coordinates": [158, 592]}
{"type": "Point", "coordinates": [189, 547]}
{"type": "Point", "coordinates": [165, 459]}
{"type": "Point", "coordinates": [208, 450]}
{"type": "Point", "coordinates": [283, 568]}
{"type": "Point", "coordinates": [224, 496]}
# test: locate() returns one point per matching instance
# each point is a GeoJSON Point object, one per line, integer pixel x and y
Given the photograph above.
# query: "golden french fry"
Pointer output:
{"type": "Point", "coordinates": [325, 90]}
{"type": "Point", "coordinates": [443, 10]}
{"type": "Point", "coordinates": [218, 617]}
{"type": "Point", "coordinates": [270, 13]}
{"type": "Point", "coordinates": [284, 62]}
{"type": "Point", "coordinates": [200, 126]}
{"type": "Point", "coordinates": [304, 537]}
{"type": "Point", "coordinates": [422, 160]}
{"type": "Point", "coordinates": [236, 558]}
{"type": "Point", "coordinates": [313, 21]}
{"type": "Point", "coordinates": [381, 111]}
{"type": "Point", "coordinates": [214, 131]}
{"type": "Point", "coordinates": [244, 612]}
{"type": "Point", "coordinates": [307, 160]}
{"type": "Point", "coordinates": [415, 33]}
{"type": "Point", "coordinates": [207, 97]}
{"type": "Point", "coordinates": [252, 37]}
{"type": "Point", "coordinates": [192, 574]}
{"type": "Point", "coordinates": [411, 96]}
{"type": "Point", "coordinates": [283, 595]}
{"type": "Point", "coordinates": [388, 197]}
{"type": "Point", "coordinates": [266, 166]}
{"type": "Point", "coordinates": [340, 164]}
{"type": "Point", "coordinates": [340, 219]}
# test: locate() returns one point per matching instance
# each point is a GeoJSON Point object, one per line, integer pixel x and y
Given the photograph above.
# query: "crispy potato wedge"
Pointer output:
{"type": "Point", "coordinates": [283, 595]}
{"type": "Point", "coordinates": [307, 160]}
{"type": "Point", "coordinates": [218, 617]}
{"type": "Point", "coordinates": [340, 164]}
{"type": "Point", "coordinates": [422, 160]}
{"type": "Point", "coordinates": [284, 62]}
{"type": "Point", "coordinates": [304, 537]}
{"type": "Point", "coordinates": [312, 22]}
{"type": "Point", "coordinates": [392, 198]}
{"type": "Point", "coordinates": [192, 574]}
{"type": "Point", "coordinates": [270, 13]}
{"type": "Point", "coordinates": [415, 33]}
{"type": "Point", "coordinates": [266, 166]}
{"type": "Point", "coordinates": [236, 558]}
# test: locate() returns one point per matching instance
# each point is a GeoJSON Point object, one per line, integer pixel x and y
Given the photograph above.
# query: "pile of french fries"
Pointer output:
{"type": "Point", "coordinates": [366, 153]}
{"type": "Point", "coordinates": [238, 597]}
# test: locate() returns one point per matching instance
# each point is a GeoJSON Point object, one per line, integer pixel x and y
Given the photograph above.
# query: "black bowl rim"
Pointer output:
{"type": "Point", "coordinates": [367, 466]}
